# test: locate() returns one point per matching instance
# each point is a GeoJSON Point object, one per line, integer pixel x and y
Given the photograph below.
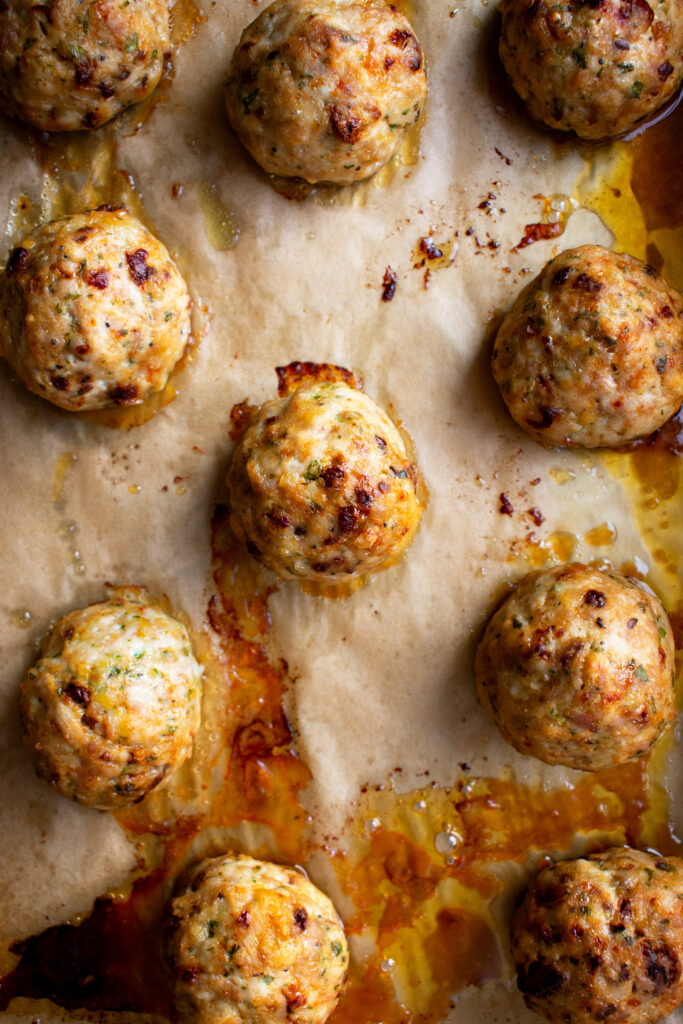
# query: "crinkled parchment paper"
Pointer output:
{"type": "Point", "coordinates": [384, 677]}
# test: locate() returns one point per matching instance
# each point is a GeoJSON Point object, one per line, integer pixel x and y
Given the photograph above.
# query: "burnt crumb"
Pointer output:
{"type": "Point", "coordinates": [17, 260]}
{"type": "Point", "coordinates": [243, 918]}
{"type": "Point", "coordinates": [505, 159]}
{"type": "Point", "coordinates": [536, 515]}
{"type": "Point", "coordinates": [547, 417]}
{"type": "Point", "coordinates": [333, 477]}
{"type": "Point", "coordinates": [664, 70]}
{"type": "Point", "coordinates": [537, 233]}
{"type": "Point", "coordinates": [666, 313]}
{"type": "Point", "coordinates": [599, 623]}
{"type": "Point", "coordinates": [429, 250]}
{"type": "Point", "coordinates": [363, 499]}
{"type": "Point", "coordinates": [347, 518]}
{"type": "Point", "coordinates": [561, 275]}
{"type": "Point", "coordinates": [607, 1012]}
{"type": "Point", "coordinates": [106, 90]}
{"type": "Point", "coordinates": [505, 506]}
{"type": "Point", "coordinates": [78, 694]}
{"type": "Point", "coordinates": [278, 518]}
{"type": "Point", "coordinates": [487, 203]}
{"type": "Point", "coordinates": [384, 486]}
{"type": "Point", "coordinates": [389, 284]}
{"type": "Point", "coordinates": [60, 383]}
{"type": "Point", "coordinates": [189, 974]}
{"type": "Point", "coordinates": [123, 394]}
{"type": "Point", "coordinates": [587, 284]}
{"type": "Point", "coordinates": [616, 928]}
{"type": "Point", "coordinates": [98, 278]}
{"type": "Point", "coordinates": [661, 965]}
{"type": "Point", "coordinates": [347, 125]}
{"type": "Point", "coordinates": [632, 623]}
{"type": "Point", "coordinates": [83, 73]}
{"type": "Point", "coordinates": [621, 44]}
{"type": "Point", "coordinates": [381, 443]}
{"type": "Point", "coordinates": [300, 918]}
{"type": "Point", "coordinates": [594, 598]}
{"type": "Point", "coordinates": [540, 979]}
{"type": "Point", "coordinates": [138, 267]}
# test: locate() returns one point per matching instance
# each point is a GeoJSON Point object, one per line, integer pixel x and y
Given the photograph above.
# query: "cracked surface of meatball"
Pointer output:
{"type": "Point", "coordinates": [254, 943]}
{"type": "Point", "coordinates": [591, 353]}
{"type": "Point", "coordinates": [321, 486]}
{"type": "Point", "coordinates": [594, 67]}
{"type": "Point", "coordinates": [94, 313]}
{"type": "Point", "coordinates": [577, 668]}
{"type": "Point", "coordinates": [601, 938]}
{"type": "Point", "coordinates": [112, 706]}
{"type": "Point", "coordinates": [325, 91]}
{"type": "Point", "coordinates": [68, 65]}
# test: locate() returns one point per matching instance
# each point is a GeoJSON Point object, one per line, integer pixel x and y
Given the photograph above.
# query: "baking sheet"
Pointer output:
{"type": "Point", "coordinates": [384, 677]}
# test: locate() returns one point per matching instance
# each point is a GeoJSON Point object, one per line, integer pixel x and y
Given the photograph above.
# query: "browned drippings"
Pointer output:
{"type": "Point", "coordinates": [419, 869]}
{"type": "Point", "coordinates": [112, 960]}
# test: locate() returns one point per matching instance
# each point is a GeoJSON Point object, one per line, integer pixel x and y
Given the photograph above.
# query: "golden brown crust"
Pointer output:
{"type": "Point", "coordinates": [591, 353]}
{"type": "Point", "coordinates": [601, 939]}
{"type": "Point", "coordinates": [325, 90]}
{"type": "Point", "coordinates": [321, 486]}
{"type": "Point", "coordinates": [111, 707]}
{"type": "Point", "coordinates": [254, 943]}
{"type": "Point", "coordinates": [577, 668]}
{"type": "Point", "coordinates": [93, 311]}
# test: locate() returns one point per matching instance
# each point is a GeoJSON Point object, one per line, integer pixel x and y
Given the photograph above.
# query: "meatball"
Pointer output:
{"type": "Point", "coordinates": [112, 706]}
{"type": "Point", "coordinates": [591, 353]}
{"type": "Point", "coordinates": [325, 89]}
{"type": "Point", "coordinates": [74, 64]}
{"type": "Point", "coordinates": [93, 311]}
{"type": "Point", "coordinates": [321, 485]}
{"type": "Point", "coordinates": [256, 943]}
{"type": "Point", "coordinates": [577, 668]}
{"type": "Point", "coordinates": [601, 939]}
{"type": "Point", "coordinates": [595, 68]}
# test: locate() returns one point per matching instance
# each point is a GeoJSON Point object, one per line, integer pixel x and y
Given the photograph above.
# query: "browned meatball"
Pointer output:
{"type": "Point", "coordinates": [94, 312]}
{"type": "Point", "coordinates": [254, 943]}
{"type": "Point", "coordinates": [601, 939]}
{"type": "Point", "coordinates": [325, 89]}
{"type": "Point", "coordinates": [66, 65]}
{"type": "Point", "coordinates": [577, 668]}
{"type": "Point", "coordinates": [591, 353]}
{"type": "Point", "coordinates": [595, 67]}
{"type": "Point", "coordinates": [321, 485]}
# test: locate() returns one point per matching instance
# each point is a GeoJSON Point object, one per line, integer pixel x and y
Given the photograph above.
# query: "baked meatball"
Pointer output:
{"type": "Point", "coordinates": [93, 311]}
{"type": "Point", "coordinates": [72, 64]}
{"type": "Point", "coordinates": [325, 89]}
{"type": "Point", "coordinates": [601, 939]}
{"type": "Point", "coordinates": [111, 707]}
{"type": "Point", "coordinates": [594, 67]}
{"type": "Point", "coordinates": [591, 353]}
{"type": "Point", "coordinates": [577, 668]}
{"type": "Point", "coordinates": [321, 485]}
{"type": "Point", "coordinates": [254, 943]}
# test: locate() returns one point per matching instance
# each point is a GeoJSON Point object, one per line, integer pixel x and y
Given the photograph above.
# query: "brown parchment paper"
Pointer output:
{"type": "Point", "coordinates": [384, 677]}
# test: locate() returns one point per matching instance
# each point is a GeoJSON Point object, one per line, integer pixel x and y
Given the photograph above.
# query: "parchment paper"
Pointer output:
{"type": "Point", "coordinates": [384, 677]}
